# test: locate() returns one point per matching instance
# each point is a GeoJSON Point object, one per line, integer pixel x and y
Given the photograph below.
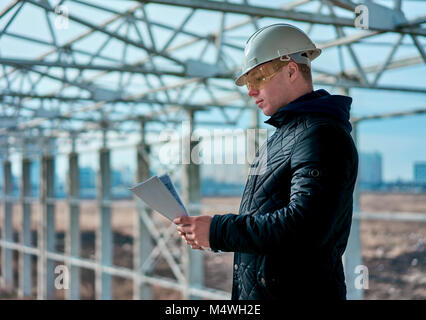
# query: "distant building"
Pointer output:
{"type": "Point", "coordinates": [87, 176]}
{"type": "Point", "coordinates": [420, 172]}
{"type": "Point", "coordinates": [370, 170]}
{"type": "Point", "coordinates": [122, 179]}
{"type": "Point", "coordinates": [35, 178]}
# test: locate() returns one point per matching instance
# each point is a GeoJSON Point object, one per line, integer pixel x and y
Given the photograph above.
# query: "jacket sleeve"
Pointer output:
{"type": "Point", "coordinates": [321, 167]}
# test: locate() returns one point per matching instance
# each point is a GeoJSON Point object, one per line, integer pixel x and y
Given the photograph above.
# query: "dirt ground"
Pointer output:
{"type": "Point", "coordinates": [394, 252]}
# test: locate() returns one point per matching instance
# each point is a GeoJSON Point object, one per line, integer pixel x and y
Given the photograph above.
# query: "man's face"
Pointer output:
{"type": "Point", "coordinates": [274, 94]}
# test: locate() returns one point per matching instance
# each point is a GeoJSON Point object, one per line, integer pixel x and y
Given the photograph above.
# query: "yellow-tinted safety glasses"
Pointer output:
{"type": "Point", "coordinates": [258, 77]}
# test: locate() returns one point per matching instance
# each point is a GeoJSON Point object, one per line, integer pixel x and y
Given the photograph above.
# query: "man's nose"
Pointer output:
{"type": "Point", "coordinates": [253, 92]}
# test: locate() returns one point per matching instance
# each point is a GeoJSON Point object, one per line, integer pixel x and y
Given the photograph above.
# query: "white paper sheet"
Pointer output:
{"type": "Point", "coordinates": [160, 194]}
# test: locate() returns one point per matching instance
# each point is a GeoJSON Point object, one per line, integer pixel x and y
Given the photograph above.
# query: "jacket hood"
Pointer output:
{"type": "Point", "coordinates": [319, 101]}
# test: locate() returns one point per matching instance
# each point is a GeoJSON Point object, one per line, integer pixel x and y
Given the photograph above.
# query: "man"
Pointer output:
{"type": "Point", "coordinates": [295, 213]}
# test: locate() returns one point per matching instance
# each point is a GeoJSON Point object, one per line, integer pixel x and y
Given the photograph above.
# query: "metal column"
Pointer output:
{"type": "Point", "coordinates": [191, 197]}
{"type": "Point", "coordinates": [352, 257]}
{"type": "Point", "coordinates": [104, 241]}
{"type": "Point", "coordinates": [253, 138]}
{"type": "Point", "coordinates": [142, 242]}
{"type": "Point", "coordinates": [7, 254]}
{"type": "Point", "coordinates": [46, 230]}
{"type": "Point", "coordinates": [72, 245]}
{"type": "Point", "coordinates": [25, 264]}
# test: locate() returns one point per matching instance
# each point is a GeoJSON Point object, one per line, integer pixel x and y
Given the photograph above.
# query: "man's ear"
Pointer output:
{"type": "Point", "coordinates": [292, 71]}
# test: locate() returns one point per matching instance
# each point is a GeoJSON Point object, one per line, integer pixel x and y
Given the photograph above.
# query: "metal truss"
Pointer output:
{"type": "Point", "coordinates": [143, 65]}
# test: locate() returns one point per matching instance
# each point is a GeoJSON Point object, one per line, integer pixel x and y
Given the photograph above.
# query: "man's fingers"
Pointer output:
{"type": "Point", "coordinates": [177, 220]}
{"type": "Point", "coordinates": [190, 236]}
{"type": "Point", "coordinates": [182, 220]}
{"type": "Point", "coordinates": [192, 243]}
{"type": "Point", "coordinates": [184, 229]}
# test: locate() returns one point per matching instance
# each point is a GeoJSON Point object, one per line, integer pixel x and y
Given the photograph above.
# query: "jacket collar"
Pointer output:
{"type": "Point", "coordinates": [319, 101]}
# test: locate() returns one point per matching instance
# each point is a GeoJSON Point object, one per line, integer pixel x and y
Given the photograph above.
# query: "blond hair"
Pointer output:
{"type": "Point", "coordinates": [305, 70]}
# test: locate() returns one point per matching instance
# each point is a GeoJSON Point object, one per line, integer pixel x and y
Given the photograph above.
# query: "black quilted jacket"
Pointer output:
{"type": "Point", "coordinates": [296, 210]}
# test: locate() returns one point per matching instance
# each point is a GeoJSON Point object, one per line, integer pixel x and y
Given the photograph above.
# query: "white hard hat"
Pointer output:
{"type": "Point", "coordinates": [279, 40]}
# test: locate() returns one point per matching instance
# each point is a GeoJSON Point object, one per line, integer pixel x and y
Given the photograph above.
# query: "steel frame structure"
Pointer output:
{"type": "Point", "coordinates": [79, 86]}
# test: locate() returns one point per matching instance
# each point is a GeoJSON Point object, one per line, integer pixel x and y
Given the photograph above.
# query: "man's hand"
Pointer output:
{"type": "Point", "coordinates": [194, 230]}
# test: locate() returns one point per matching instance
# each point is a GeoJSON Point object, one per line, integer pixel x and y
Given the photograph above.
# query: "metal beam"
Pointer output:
{"type": "Point", "coordinates": [104, 235]}
{"type": "Point", "coordinates": [46, 234]}
{"type": "Point", "coordinates": [25, 263]}
{"type": "Point", "coordinates": [344, 40]}
{"type": "Point", "coordinates": [411, 112]}
{"type": "Point", "coordinates": [257, 11]}
{"type": "Point", "coordinates": [419, 47]}
{"type": "Point", "coordinates": [66, 65]}
{"type": "Point", "coordinates": [73, 241]}
{"type": "Point", "coordinates": [191, 195]}
{"type": "Point", "coordinates": [109, 68]}
{"type": "Point", "coordinates": [352, 257]}
{"type": "Point", "coordinates": [108, 33]}
{"type": "Point", "coordinates": [7, 226]}
{"type": "Point", "coordinates": [142, 241]}
{"type": "Point", "coordinates": [352, 84]}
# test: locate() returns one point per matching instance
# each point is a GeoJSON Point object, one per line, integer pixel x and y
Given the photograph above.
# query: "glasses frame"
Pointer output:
{"type": "Point", "coordinates": [260, 76]}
